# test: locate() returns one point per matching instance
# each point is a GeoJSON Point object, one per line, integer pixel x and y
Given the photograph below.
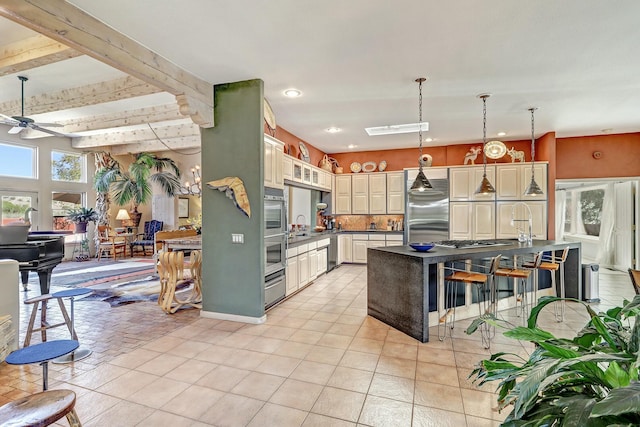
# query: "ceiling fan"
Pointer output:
{"type": "Point", "coordinates": [21, 122]}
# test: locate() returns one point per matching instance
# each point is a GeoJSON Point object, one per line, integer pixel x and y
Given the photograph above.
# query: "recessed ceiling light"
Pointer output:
{"type": "Point", "coordinates": [351, 146]}
{"type": "Point", "coordinates": [607, 130]}
{"type": "Point", "coordinates": [333, 129]}
{"type": "Point", "coordinates": [394, 129]}
{"type": "Point", "coordinates": [292, 93]}
{"type": "Point", "coordinates": [429, 140]}
{"type": "Point", "coordinates": [502, 133]}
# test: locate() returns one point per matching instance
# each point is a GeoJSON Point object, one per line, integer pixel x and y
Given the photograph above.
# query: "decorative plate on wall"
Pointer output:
{"type": "Point", "coordinates": [369, 166]}
{"type": "Point", "coordinates": [382, 166]}
{"type": "Point", "coordinates": [356, 167]}
{"type": "Point", "coordinates": [495, 149]}
{"type": "Point", "coordinates": [304, 153]}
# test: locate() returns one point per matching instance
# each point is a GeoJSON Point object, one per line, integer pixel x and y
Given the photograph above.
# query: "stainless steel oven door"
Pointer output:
{"type": "Point", "coordinates": [274, 253]}
{"type": "Point", "coordinates": [274, 214]}
{"type": "Point", "coordinates": [275, 288]}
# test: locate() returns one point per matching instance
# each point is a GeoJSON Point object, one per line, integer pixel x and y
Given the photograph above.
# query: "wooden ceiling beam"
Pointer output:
{"type": "Point", "coordinates": [64, 22]}
{"type": "Point", "coordinates": [191, 145]}
{"type": "Point", "coordinates": [114, 90]}
{"type": "Point", "coordinates": [33, 52]}
{"type": "Point", "coordinates": [164, 133]}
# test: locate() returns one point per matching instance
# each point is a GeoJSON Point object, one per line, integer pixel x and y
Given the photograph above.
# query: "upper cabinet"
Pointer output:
{"type": "Point", "coordinates": [297, 171]}
{"type": "Point", "coordinates": [513, 179]}
{"type": "Point", "coordinates": [378, 193]}
{"type": "Point", "coordinates": [273, 162]}
{"type": "Point", "coordinates": [342, 191]}
{"type": "Point", "coordinates": [463, 182]}
{"type": "Point", "coordinates": [395, 192]}
{"type": "Point", "coordinates": [360, 194]}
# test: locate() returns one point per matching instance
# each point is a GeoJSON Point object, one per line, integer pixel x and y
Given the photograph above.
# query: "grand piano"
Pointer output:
{"type": "Point", "coordinates": [41, 253]}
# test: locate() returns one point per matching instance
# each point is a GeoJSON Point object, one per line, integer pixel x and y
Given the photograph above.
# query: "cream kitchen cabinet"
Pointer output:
{"type": "Point", "coordinates": [292, 272]}
{"type": "Point", "coordinates": [287, 167]}
{"type": "Point", "coordinates": [465, 180]}
{"type": "Point", "coordinates": [306, 173]}
{"type": "Point", "coordinates": [313, 264]}
{"type": "Point", "coordinates": [297, 170]}
{"type": "Point", "coordinates": [395, 192]}
{"type": "Point", "coordinates": [513, 179]}
{"type": "Point", "coordinates": [303, 269]}
{"type": "Point", "coordinates": [472, 220]}
{"type": "Point", "coordinates": [343, 195]}
{"type": "Point", "coordinates": [360, 194]}
{"type": "Point", "coordinates": [360, 251]}
{"type": "Point", "coordinates": [377, 193]}
{"type": "Point", "coordinates": [322, 261]}
{"type": "Point", "coordinates": [510, 215]}
{"type": "Point", "coordinates": [394, 239]}
{"type": "Point", "coordinates": [345, 248]}
{"type": "Point", "coordinates": [273, 162]}
{"type": "Point", "coordinates": [361, 242]}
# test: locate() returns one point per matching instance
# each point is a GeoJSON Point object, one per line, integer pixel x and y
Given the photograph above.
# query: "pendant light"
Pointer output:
{"type": "Point", "coordinates": [533, 189]}
{"type": "Point", "coordinates": [485, 186]}
{"type": "Point", "coordinates": [421, 183]}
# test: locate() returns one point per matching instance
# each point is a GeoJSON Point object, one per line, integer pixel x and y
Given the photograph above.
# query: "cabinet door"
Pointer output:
{"type": "Point", "coordinates": [345, 248]}
{"type": "Point", "coordinates": [315, 177]}
{"type": "Point", "coordinates": [287, 167]}
{"type": "Point", "coordinates": [539, 214]}
{"type": "Point", "coordinates": [292, 275]}
{"type": "Point", "coordinates": [343, 194]}
{"type": "Point", "coordinates": [483, 221]}
{"type": "Point", "coordinates": [460, 220]}
{"type": "Point", "coordinates": [508, 182]}
{"type": "Point", "coordinates": [360, 194]}
{"type": "Point", "coordinates": [278, 167]}
{"type": "Point", "coordinates": [306, 174]}
{"type": "Point", "coordinates": [459, 187]}
{"type": "Point", "coordinates": [541, 179]}
{"type": "Point", "coordinates": [269, 153]}
{"type": "Point", "coordinates": [395, 193]}
{"type": "Point", "coordinates": [360, 251]}
{"type": "Point", "coordinates": [475, 178]}
{"type": "Point", "coordinates": [303, 269]}
{"type": "Point", "coordinates": [297, 171]}
{"type": "Point", "coordinates": [378, 194]}
{"type": "Point", "coordinates": [313, 264]}
{"type": "Point", "coordinates": [516, 211]}
{"type": "Point", "coordinates": [322, 261]}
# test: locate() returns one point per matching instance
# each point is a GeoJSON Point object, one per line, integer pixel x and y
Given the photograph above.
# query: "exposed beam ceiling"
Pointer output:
{"type": "Point", "coordinates": [36, 51]}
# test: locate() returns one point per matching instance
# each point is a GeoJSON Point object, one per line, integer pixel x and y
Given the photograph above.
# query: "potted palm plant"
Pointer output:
{"type": "Point", "coordinates": [81, 217]}
{"type": "Point", "coordinates": [134, 184]}
{"type": "Point", "coordinates": [590, 380]}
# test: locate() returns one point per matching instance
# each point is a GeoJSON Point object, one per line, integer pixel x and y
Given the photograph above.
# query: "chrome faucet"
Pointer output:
{"type": "Point", "coordinates": [521, 236]}
{"type": "Point", "coordinates": [304, 224]}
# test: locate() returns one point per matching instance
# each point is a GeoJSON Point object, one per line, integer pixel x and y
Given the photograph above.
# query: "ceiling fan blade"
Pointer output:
{"type": "Point", "coordinates": [15, 130]}
{"type": "Point", "coordinates": [49, 125]}
{"type": "Point", "coordinates": [49, 131]}
{"type": "Point", "coordinates": [8, 120]}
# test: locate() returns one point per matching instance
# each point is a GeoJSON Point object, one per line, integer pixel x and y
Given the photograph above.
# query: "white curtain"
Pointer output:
{"type": "Point", "coordinates": [561, 209]}
{"type": "Point", "coordinates": [607, 223]}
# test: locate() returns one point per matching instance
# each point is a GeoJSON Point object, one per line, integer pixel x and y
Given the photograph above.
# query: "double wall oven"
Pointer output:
{"type": "Point", "coordinates": [275, 246]}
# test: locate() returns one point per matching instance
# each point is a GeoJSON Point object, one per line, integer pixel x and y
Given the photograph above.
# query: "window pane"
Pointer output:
{"type": "Point", "coordinates": [568, 212]}
{"type": "Point", "coordinates": [61, 204]}
{"type": "Point", "coordinates": [591, 207]}
{"type": "Point", "coordinates": [14, 207]}
{"type": "Point", "coordinates": [18, 161]}
{"type": "Point", "coordinates": [67, 166]}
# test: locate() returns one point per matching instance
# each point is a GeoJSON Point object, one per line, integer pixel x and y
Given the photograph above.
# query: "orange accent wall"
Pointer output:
{"type": "Point", "coordinates": [620, 156]}
{"type": "Point", "coordinates": [292, 145]}
{"type": "Point", "coordinates": [546, 150]}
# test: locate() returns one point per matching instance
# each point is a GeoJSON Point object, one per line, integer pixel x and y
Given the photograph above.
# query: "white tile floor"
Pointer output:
{"type": "Point", "coordinates": [318, 361]}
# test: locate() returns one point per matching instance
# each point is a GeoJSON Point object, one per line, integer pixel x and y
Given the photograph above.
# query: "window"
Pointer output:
{"type": "Point", "coordinates": [61, 204]}
{"type": "Point", "coordinates": [68, 167]}
{"type": "Point", "coordinates": [18, 161]}
{"type": "Point", "coordinates": [584, 211]}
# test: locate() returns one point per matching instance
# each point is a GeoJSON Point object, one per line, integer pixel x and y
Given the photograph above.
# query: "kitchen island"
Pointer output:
{"type": "Point", "coordinates": [402, 284]}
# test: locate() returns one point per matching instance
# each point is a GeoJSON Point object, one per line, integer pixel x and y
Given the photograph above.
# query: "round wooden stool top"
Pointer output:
{"type": "Point", "coordinates": [40, 409]}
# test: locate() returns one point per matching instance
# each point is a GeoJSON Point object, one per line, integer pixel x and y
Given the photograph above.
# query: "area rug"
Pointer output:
{"type": "Point", "coordinates": [129, 292]}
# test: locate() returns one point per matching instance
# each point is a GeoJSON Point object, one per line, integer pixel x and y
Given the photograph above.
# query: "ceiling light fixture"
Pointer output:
{"type": "Point", "coordinates": [429, 140]}
{"type": "Point", "coordinates": [193, 188]}
{"type": "Point", "coordinates": [292, 93]}
{"type": "Point", "coordinates": [533, 189]}
{"type": "Point", "coordinates": [351, 146]}
{"type": "Point", "coordinates": [502, 133]}
{"type": "Point", "coordinates": [485, 186]}
{"type": "Point", "coordinates": [421, 183]}
{"type": "Point", "coordinates": [333, 129]}
{"type": "Point", "coordinates": [396, 129]}
{"type": "Point", "coordinates": [495, 149]}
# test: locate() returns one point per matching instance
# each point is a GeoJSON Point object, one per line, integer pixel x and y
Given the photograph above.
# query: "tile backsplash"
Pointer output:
{"type": "Point", "coordinates": [364, 222]}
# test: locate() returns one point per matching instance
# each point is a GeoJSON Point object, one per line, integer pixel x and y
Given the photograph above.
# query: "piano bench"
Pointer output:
{"type": "Point", "coordinates": [44, 325]}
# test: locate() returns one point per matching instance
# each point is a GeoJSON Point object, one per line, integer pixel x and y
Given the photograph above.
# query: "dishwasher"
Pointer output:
{"type": "Point", "coordinates": [332, 253]}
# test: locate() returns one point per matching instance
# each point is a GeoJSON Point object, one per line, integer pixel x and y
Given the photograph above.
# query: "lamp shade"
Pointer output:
{"type": "Point", "coordinates": [123, 215]}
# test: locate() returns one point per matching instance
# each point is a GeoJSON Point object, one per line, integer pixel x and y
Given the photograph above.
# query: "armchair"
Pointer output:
{"type": "Point", "coordinates": [146, 239]}
{"type": "Point", "coordinates": [110, 245]}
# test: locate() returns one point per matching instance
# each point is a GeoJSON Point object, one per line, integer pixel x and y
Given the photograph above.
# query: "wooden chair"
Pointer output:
{"type": "Point", "coordinates": [170, 270]}
{"type": "Point", "coordinates": [147, 239]}
{"type": "Point", "coordinates": [552, 264]}
{"type": "Point", "coordinates": [111, 244]}
{"type": "Point", "coordinates": [635, 280]}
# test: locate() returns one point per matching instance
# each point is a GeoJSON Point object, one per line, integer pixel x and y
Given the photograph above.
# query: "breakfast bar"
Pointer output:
{"type": "Point", "coordinates": [402, 284]}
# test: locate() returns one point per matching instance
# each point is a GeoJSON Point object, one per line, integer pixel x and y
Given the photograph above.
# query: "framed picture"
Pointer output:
{"type": "Point", "coordinates": [183, 207]}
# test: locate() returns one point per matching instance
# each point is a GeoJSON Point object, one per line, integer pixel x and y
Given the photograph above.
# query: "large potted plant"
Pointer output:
{"type": "Point", "coordinates": [81, 217]}
{"type": "Point", "coordinates": [134, 185]}
{"type": "Point", "coordinates": [587, 381]}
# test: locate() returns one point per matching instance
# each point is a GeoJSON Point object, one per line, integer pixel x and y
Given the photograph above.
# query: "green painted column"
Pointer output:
{"type": "Point", "coordinates": [233, 274]}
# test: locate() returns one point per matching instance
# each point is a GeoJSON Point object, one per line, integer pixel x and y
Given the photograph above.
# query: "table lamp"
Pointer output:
{"type": "Point", "coordinates": [123, 216]}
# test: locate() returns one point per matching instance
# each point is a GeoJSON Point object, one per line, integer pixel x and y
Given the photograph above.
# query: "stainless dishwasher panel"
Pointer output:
{"type": "Point", "coordinates": [332, 253]}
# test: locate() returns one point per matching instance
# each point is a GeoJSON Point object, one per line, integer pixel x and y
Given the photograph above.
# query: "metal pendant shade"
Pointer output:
{"type": "Point", "coordinates": [485, 186]}
{"type": "Point", "coordinates": [533, 189]}
{"type": "Point", "coordinates": [421, 183]}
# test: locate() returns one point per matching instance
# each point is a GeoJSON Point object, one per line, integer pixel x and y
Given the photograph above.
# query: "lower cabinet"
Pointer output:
{"type": "Point", "coordinates": [362, 242]}
{"type": "Point", "coordinates": [305, 263]}
{"type": "Point", "coordinates": [303, 269]}
{"type": "Point", "coordinates": [292, 274]}
{"type": "Point", "coordinates": [322, 261]}
{"type": "Point", "coordinates": [345, 248]}
{"type": "Point", "coordinates": [313, 264]}
{"type": "Point", "coordinates": [359, 252]}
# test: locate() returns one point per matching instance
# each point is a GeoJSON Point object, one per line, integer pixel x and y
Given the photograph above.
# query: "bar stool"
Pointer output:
{"type": "Point", "coordinates": [484, 284]}
{"type": "Point", "coordinates": [42, 353]}
{"type": "Point", "coordinates": [553, 264]}
{"type": "Point", "coordinates": [80, 353]}
{"type": "Point", "coordinates": [44, 325]}
{"type": "Point", "coordinates": [522, 274]}
{"type": "Point", "coordinates": [41, 409]}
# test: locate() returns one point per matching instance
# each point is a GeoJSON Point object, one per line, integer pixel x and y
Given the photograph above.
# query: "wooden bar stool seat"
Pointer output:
{"type": "Point", "coordinates": [41, 409]}
{"type": "Point", "coordinates": [552, 264]}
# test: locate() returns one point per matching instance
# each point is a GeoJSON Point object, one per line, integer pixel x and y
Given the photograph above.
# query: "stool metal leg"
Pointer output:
{"type": "Point", "coordinates": [79, 353]}
{"type": "Point", "coordinates": [450, 312]}
{"type": "Point", "coordinates": [559, 311]}
{"type": "Point", "coordinates": [45, 375]}
{"type": "Point", "coordinates": [487, 306]}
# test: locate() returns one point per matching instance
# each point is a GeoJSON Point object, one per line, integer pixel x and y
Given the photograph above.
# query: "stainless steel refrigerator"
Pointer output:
{"type": "Point", "coordinates": [426, 216]}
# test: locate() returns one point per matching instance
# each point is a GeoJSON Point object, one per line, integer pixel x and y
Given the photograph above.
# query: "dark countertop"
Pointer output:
{"type": "Point", "coordinates": [444, 254]}
{"type": "Point", "coordinates": [292, 242]}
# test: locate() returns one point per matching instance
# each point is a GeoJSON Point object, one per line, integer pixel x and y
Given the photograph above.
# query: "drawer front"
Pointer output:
{"type": "Point", "coordinates": [378, 237]}
{"type": "Point", "coordinates": [360, 236]}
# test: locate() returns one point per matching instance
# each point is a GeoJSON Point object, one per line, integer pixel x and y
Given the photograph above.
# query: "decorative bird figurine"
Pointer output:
{"type": "Point", "coordinates": [27, 220]}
